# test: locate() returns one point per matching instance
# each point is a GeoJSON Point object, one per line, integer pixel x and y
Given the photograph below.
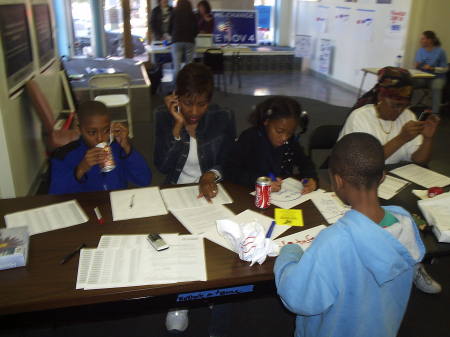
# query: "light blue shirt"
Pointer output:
{"type": "Point", "coordinates": [434, 58]}
{"type": "Point", "coordinates": [354, 280]}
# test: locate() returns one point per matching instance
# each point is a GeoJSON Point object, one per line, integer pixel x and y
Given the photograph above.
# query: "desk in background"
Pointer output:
{"type": "Point", "coordinates": [374, 71]}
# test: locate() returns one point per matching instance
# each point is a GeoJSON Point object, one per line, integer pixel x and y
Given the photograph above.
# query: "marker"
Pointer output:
{"type": "Point", "coordinates": [132, 201]}
{"type": "Point", "coordinates": [72, 254]}
{"type": "Point", "coordinates": [269, 232]}
{"type": "Point", "coordinates": [100, 219]}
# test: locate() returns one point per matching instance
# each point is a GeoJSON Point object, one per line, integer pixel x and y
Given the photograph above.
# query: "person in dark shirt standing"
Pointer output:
{"type": "Point", "coordinates": [183, 28]}
{"type": "Point", "coordinates": [160, 20]}
{"type": "Point", "coordinates": [205, 19]}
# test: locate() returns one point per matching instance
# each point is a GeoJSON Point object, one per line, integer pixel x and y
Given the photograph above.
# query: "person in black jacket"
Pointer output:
{"type": "Point", "coordinates": [271, 147]}
{"type": "Point", "coordinates": [183, 28]}
{"type": "Point", "coordinates": [160, 20]}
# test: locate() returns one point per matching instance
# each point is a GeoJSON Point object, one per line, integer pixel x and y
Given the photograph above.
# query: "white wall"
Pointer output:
{"type": "Point", "coordinates": [21, 147]}
{"type": "Point", "coordinates": [352, 50]}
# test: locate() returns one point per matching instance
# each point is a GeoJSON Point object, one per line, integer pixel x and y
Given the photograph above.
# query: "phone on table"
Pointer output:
{"type": "Point", "coordinates": [424, 115]}
{"type": "Point", "coordinates": [157, 242]}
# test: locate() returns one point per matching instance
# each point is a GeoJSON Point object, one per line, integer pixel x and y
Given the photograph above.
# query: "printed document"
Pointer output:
{"type": "Point", "coordinates": [329, 205]}
{"type": "Point", "coordinates": [390, 187]}
{"type": "Point", "coordinates": [422, 176]}
{"type": "Point", "coordinates": [202, 219]}
{"type": "Point", "coordinates": [48, 218]}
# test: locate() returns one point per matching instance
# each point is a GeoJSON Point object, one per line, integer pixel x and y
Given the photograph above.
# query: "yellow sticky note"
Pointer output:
{"type": "Point", "coordinates": [288, 217]}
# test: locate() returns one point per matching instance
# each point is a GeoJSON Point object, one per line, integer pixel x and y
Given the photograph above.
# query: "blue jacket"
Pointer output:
{"type": "Point", "coordinates": [215, 135]}
{"type": "Point", "coordinates": [128, 168]}
{"type": "Point", "coordinates": [354, 280]}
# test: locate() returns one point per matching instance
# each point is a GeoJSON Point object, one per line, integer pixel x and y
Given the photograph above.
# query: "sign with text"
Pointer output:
{"type": "Point", "coordinates": [235, 27]}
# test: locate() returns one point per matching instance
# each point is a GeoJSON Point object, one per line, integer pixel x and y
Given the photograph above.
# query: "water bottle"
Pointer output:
{"type": "Point", "coordinates": [398, 61]}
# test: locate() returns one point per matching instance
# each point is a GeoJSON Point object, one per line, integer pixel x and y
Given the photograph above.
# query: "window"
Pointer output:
{"type": "Point", "coordinates": [82, 27]}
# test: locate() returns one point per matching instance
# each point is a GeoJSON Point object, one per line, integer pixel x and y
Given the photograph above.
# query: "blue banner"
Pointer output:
{"type": "Point", "coordinates": [264, 16]}
{"type": "Point", "coordinates": [235, 27]}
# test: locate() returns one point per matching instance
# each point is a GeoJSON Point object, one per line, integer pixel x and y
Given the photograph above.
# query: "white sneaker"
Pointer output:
{"type": "Point", "coordinates": [424, 282]}
{"type": "Point", "coordinates": [177, 320]}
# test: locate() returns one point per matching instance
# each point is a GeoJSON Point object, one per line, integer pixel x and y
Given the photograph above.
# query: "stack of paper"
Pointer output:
{"type": "Point", "coordinates": [129, 260]}
{"type": "Point", "coordinates": [422, 176]}
{"type": "Point", "coordinates": [48, 218]}
{"type": "Point", "coordinates": [136, 203]}
{"type": "Point", "coordinates": [187, 197]}
{"type": "Point", "coordinates": [436, 211]}
{"type": "Point", "coordinates": [390, 187]}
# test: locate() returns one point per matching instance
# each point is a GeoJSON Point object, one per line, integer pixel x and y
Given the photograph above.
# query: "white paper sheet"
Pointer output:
{"type": "Point", "coordinates": [244, 217]}
{"type": "Point", "coordinates": [304, 238]}
{"type": "Point", "coordinates": [202, 219]}
{"type": "Point", "coordinates": [184, 261]}
{"type": "Point", "coordinates": [329, 205]}
{"type": "Point", "coordinates": [436, 211]}
{"type": "Point", "coordinates": [187, 197]}
{"type": "Point", "coordinates": [290, 194]}
{"type": "Point", "coordinates": [83, 266]}
{"type": "Point", "coordinates": [422, 176]}
{"type": "Point", "coordinates": [390, 187]}
{"type": "Point", "coordinates": [423, 194]}
{"type": "Point", "coordinates": [137, 203]}
{"type": "Point", "coordinates": [48, 218]}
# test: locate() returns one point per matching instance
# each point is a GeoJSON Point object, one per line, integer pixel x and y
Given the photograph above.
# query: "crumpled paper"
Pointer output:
{"type": "Point", "coordinates": [248, 240]}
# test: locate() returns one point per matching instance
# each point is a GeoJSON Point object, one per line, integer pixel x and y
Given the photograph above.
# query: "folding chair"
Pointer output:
{"type": "Point", "coordinates": [112, 82]}
{"type": "Point", "coordinates": [214, 59]}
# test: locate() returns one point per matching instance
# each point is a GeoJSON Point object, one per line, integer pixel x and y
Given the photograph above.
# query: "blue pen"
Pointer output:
{"type": "Point", "coordinates": [272, 176]}
{"type": "Point", "coordinates": [304, 181]}
{"type": "Point", "coordinates": [269, 232]}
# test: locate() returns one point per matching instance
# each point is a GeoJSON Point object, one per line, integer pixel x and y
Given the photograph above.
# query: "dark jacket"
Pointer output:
{"type": "Point", "coordinates": [156, 22]}
{"type": "Point", "coordinates": [215, 135]}
{"type": "Point", "coordinates": [183, 26]}
{"type": "Point", "coordinates": [66, 159]}
{"type": "Point", "coordinates": [205, 27]}
{"type": "Point", "coordinates": [253, 156]}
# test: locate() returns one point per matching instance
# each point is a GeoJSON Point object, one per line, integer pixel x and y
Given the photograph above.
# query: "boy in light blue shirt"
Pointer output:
{"type": "Point", "coordinates": [356, 278]}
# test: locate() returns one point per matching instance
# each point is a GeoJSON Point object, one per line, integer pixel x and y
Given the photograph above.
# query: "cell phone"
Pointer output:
{"type": "Point", "coordinates": [157, 242]}
{"type": "Point", "coordinates": [424, 115]}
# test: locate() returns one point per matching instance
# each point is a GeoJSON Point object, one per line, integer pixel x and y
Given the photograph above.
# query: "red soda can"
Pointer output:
{"type": "Point", "coordinates": [262, 189]}
{"type": "Point", "coordinates": [109, 164]}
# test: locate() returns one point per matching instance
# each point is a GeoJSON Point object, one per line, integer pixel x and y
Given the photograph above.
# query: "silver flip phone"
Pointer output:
{"type": "Point", "coordinates": [157, 242]}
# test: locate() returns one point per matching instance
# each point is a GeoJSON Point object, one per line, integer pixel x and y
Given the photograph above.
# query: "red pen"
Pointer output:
{"type": "Point", "coordinates": [100, 219]}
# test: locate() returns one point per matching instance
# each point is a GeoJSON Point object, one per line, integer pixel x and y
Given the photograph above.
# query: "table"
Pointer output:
{"type": "Point", "coordinates": [136, 71]}
{"type": "Point", "coordinates": [415, 73]}
{"type": "Point", "coordinates": [45, 284]}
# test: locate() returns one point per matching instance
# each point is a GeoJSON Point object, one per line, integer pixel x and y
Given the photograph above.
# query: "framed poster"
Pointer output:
{"type": "Point", "coordinates": [235, 27]}
{"type": "Point", "coordinates": [44, 33]}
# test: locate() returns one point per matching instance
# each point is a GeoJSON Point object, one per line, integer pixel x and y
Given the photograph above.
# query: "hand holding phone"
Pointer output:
{"type": "Point", "coordinates": [424, 115]}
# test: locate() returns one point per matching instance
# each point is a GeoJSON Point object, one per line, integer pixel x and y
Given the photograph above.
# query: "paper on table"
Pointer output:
{"type": "Point", "coordinates": [130, 241]}
{"type": "Point", "coordinates": [244, 217]}
{"type": "Point", "coordinates": [187, 197]}
{"type": "Point", "coordinates": [390, 187]}
{"type": "Point", "coordinates": [329, 205]}
{"type": "Point", "coordinates": [436, 211]}
{"type": "Point", "coordinates": [423, 194]}
{"type": "Point", "coordinates": [422, 176]}
{"type": "Point", "coordinates": [302, 238]}
{"type": "Point", "coordinates": [83, 267]}
{"type": "Point", "coordinates": [48, 218]}
{"type": "Point", "coordinates": [123, 267]}
{"type": "Point", "coordinates": [136, 203]}
{"type": "Point", "coordinates": [290, 194]}
{"type": "Point", "coordinates": [202, 219]}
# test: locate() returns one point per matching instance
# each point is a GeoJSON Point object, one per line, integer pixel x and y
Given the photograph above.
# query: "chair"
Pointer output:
{"type": "Point", "coordinates": [114, 82]}
{"type": "Point", "coordinates": [54, 137]}
{"type": "Point", "coordinates": [214, 59]}
{"type": "Point", "coordinates": [323, 138]}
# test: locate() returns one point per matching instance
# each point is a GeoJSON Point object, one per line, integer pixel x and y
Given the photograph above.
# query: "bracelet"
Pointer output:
{"type": "Point", "coordinates": [177, 138]}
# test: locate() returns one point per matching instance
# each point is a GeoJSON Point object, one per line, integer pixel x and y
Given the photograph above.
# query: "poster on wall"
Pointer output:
{"type": "Point", "coordinates": [16, 44]}
{"type": "Point", "coordinates": [303, 46]}
{"type": "Point", "coordinates": [44, 33]}
{"type": "Point", "coordinates": [396, 23]}
{"type": "Point", "coordinates": [235, 27]}
{"type": "Point", "coordinates": [325, 56]}
{"type": "Point", "coordinates": [341, 19]}
{"type": "Point", "coordinates": [364, 24]}
{"type": "Point", "coordinates": [322, 19]}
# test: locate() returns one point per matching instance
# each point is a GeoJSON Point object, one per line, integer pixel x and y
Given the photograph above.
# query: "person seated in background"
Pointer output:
{"type": "Point", "coordinates": [386, 116]}
{"type": "Point", "coordinates": [431, 58]}
{"type": "Point", "coordinates": [355, 279]}
{"type": "Point", "coordinates": [271, 147]}
{"type": "Point", "coordinates": [205, 19]}
{"type": "Point", "coordinates": [77, 166]}
{"type": "Point", "coordinates": [160, 20]}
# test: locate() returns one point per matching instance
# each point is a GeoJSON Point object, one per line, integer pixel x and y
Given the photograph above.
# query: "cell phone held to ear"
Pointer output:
{"type": "Point", "coordinates": [424, 115]}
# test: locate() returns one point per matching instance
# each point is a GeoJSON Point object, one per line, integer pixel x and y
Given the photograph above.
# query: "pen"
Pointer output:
{"type": "Point", "coordinates": [72, 254]}
{"type": "Point", "coordinates": [269, 232]}
{"type": "Point", "coordinates": [100, 219]}
{"type": "Point", "coordinates": [132, 201]}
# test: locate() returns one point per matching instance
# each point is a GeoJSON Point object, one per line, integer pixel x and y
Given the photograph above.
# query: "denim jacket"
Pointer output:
{"type": "Point", "coordinates": [215, 135]}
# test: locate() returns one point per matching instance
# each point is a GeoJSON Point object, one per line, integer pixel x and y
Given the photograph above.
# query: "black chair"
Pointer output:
{"type": "Point", "coordinates": [323, 138]}
{"type": "Point", "coordinates": [214, 59]}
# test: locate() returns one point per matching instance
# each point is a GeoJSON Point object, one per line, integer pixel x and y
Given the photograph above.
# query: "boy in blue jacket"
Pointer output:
{"type": "Point", "coordinates": [355, 279]}
{"type": "Point", "coordinates": [75, 166]}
